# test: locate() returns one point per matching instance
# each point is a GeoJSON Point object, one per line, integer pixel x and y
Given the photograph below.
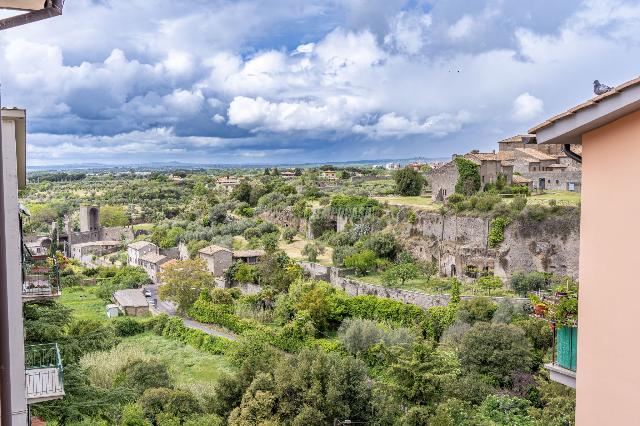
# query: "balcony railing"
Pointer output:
{"type": "Point", "coordinates": [44, 374]}
{"type": "Point", "coordinates": [564, 365]}
{"type": "Point", "coordinates": [40, 278]}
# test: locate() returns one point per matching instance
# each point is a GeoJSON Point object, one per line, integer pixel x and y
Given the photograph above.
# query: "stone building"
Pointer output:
{"type": "Point", "coordinates": [227, 182]}
{"type": "Point", "coordinates": [91, 230]}
{"type": "Point", "coordinates": [248, 256]}
{"type": "Point", "coordinates": [442, 181]}
{"type": "Point", "coordinates": [131, 302]}
{"type": "Point", "coordinates": [85, 252]}
{"type": "Point", "coordinates": [138, 249]}
{"type": "Point", "coordinates": [149, 257]}
{"type": "Point", "coordinates": [151, 263]}
{"type": "Point", "coordinates": [218, 259]}
{"type": "Point", "coordinates": [493, 164]}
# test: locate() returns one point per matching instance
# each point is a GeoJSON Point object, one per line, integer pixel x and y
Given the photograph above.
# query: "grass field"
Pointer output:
{"type": "Point", "coordinates": [423, 203]}
{"type": "Point", "coordinates": [433, 286]}
{"type": "Point", "coordinates": [561, 198]}
{"type": "Point", "coordinates": [84, 302]}
{"type": "Point", "coordinates": [187, 365]}
{"type": "Point", "coordinates": [294, 251]}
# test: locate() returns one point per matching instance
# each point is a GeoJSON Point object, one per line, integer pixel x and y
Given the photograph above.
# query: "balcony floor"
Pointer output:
{"type": "Point", "coordinates": [561, 375]}
{"type": "Point", "coordinates": [43, 384]}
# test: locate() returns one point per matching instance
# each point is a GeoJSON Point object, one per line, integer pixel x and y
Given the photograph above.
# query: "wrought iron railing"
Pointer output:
{"type": "Point", "coordinates": [40, 277]}
{"type": "Point", "coordinates": [44, 372]}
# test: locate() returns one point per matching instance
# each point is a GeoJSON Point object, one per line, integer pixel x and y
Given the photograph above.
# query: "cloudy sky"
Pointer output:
{"type": "Point", "coordinates": [272, 81]}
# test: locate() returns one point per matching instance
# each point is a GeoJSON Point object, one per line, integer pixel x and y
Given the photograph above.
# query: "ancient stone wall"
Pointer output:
{"type": "Point", "coordinates": [442, 181]}
{"type": "Point", "coordinates": [286, 219]}
{"type": "Point", "coordinates": [458, 242]}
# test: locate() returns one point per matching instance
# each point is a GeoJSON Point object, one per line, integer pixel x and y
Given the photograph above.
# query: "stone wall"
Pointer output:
{"type": "Point", "coordinates": [556, 181]}
{"type": "Point", "coordinates": [335, 276]}
{"type": "Point", "coordinates": [456, 242]}
{"type": "Point", "coordinates": [285, 218]}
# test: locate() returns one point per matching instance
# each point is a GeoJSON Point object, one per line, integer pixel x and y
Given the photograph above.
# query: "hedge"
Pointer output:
{"type": "Point", "coordinates": [212, 313]}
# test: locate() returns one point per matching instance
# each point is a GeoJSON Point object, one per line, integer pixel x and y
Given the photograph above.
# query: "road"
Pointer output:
{"type": "Point", "coordinates": [169, 308]}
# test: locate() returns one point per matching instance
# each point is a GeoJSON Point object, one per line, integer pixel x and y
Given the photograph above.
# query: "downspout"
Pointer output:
{"type": "Point", "coordinates": [566, 148]}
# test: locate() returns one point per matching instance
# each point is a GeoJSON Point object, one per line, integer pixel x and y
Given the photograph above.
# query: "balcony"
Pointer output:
{"type": "Point", "coordinates": [44, 374]}
{"type": "Point", "coordinates": [40, 278]}
{"type": "Point", "coordinates": [563, 366]}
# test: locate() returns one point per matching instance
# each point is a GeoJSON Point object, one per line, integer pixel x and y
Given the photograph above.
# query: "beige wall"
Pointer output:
{"type": "Point", "coordinates": [608, 377]}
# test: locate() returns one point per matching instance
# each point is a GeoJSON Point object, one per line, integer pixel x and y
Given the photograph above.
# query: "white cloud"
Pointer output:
{"type": "Point", "coordinates": [462, 28]}
{"type": "Point", "coordinates": [408, 31]}
{"type": "Point", "coordinates": [527, 107]}
{"type": "Point", "coordinates": [218, 119]}
{"type": "Point", "coordinates": [393, 125]}
{"type": "Point", "coordinates": [184, 102]}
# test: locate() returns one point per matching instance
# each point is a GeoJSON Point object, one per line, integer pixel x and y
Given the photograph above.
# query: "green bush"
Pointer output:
{"type": "Point", "coordinates": [478, 309]}
{"type": "Point", "coordinates": [127, 326]}
{"type": "Point", "coordinates": [496, 231]}
{"type": "Point", "coordinates": [468, 177]}
{"type": "Point", "coordinates": [363, 262]}
{"type": "Point", "coordinates": [408, 182]}
{"type": "Point", "coordinates": [211, 313]}
{"type": "Point", "coordinates": [175, 329]}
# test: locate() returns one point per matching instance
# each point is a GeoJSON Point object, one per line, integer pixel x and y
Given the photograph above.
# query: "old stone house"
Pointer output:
{"type": "Point", "coordinates": [442, 181]}
{"type": "Point", "coordinates": [85, 252]}
{"type": "Point", "coordinates": [218, 259]}
{"type": "Point", "coordinates": [131, 302]}
{"type": "Point", "coordinates": [139, 248]}
{"type": "Point", "coordinates": [493, 164]}
{"type": "Point", "coordinates": [227, 182]}
{"type": "Point", "coordinates": [248, 256]}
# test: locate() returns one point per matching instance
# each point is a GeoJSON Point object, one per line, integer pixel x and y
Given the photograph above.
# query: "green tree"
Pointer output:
{"type": "Point", "coordinates": [495, 350]}
{"type": "Point", "coordinates": [289, 235]}
{"type": "Point", "coordinates": [143, 375]}
{"type": "Point", "coordinates": [402, 272]}
{"type": "Point", "coordinates": [270, 241]}
{"type": "Point", "coordinates": [363, 262]}
{"type": "Point", "coordinates": [312, 250]}
{"type": "Point", "coordinates": [111, 215]}
{"type": "Point", "coordinates": [242, 192]}
{"type": "Point", "coordinates": [183, 281]}
{"type": "Point", "coordinates": [408, 182]}
{"type": "Point", "coordinates": [489, 282]}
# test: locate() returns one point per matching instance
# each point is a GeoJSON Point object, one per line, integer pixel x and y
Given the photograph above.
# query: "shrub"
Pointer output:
{"type": "Point", "coordinates": [489, 282]}
{"type": "Point", "coordinates": [523, 283]}
{"type": "Point", "coordinates": [312, 250]}
{"type": "Point", "coordinates": [479, 309]}
{"type": "Point", "coordinates": [289, 234]}
{"type": "Point", "coordinates": [174, 328]}
{"type": "Point", "coordinates": [178, 403]}
{"type": "Point", "coordinates": [495, 350]}
{"type": "Point", "coordinates": [145, 374]}
{"type": "Point", "coordinates": [127, 326]}
{"type": "Point", "coordinates": [496, 231]}
{"type": "Point", "coordinates": [210, 313]}
{"type": "Point", "coordinates": [408, 182]}
{"type": "Point", "coordinates": [340, 253]}
{"type": "Point", "coordinates": [358, 335]}
{"type": "Point", "coordinates": [383, 244]}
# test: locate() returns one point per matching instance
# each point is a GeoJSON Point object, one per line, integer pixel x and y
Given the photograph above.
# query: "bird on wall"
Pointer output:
{"type": "Point", "coordinates": [600, 89]}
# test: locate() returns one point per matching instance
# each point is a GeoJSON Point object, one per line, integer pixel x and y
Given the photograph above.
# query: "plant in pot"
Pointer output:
{"type": "Point", "coordinates": [539, 307]}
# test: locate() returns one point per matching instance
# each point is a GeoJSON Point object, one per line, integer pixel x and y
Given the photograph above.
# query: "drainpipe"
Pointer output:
{"type": "Point", "coordinates": [566, 148]}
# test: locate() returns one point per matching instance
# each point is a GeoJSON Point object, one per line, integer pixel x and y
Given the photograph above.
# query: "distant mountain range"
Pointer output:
{"type": "Point", "coordinates": [173, 165]}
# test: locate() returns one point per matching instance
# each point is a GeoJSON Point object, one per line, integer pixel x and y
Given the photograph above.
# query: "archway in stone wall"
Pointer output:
{"type": "Point", "coordinates": [453, 270]}
{"type": "Point", "coordinates": [94, 219]}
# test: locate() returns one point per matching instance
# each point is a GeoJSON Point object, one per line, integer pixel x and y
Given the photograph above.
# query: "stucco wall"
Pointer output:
{"type": "Point", "coordinates": [555, 181]}
{"type": "Point", "coordinates": [608, 384]}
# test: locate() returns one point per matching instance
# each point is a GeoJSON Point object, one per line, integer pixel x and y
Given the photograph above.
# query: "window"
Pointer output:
{"type": "Point", "coordinates": [482, 178]}
{"type": "Point", "coordinates": [557, 182]}
{"type": "Point", "coordinates": [548, 180]}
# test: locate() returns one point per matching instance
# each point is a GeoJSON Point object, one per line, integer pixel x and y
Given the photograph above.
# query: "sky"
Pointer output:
{"type": "Point", "coordinates": [284, 81]}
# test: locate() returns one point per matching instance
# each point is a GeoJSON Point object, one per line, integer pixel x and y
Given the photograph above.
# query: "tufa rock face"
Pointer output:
{"type": "Point", "coordinates": [459, 242]}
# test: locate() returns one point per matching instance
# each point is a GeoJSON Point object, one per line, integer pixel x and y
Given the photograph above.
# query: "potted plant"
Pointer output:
{"type": "Point", "coordinates": [539, 307]}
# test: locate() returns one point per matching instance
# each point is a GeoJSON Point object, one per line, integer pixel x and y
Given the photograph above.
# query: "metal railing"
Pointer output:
{"type": "Point", "coordinates": [40, 277]}
{"type": "Point", "coordinates": [44, 373]}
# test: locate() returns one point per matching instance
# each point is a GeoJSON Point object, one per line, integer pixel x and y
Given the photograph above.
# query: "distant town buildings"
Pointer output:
{"type": "Point", "coordinates": [227, 182]}
{"type": "Point", "coordinates": [329, 175]}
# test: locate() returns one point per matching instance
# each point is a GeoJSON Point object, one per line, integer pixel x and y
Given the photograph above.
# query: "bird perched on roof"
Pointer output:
{"type": "Point", "coordinates": [600, 89]}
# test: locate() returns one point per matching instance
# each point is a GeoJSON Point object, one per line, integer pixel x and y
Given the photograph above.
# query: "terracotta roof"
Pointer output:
{"type": "Point", "coordinates": [130, 298]}
{"type": "Point", "coordinates": [517, 138]}
{"type": "Point", "coordinates": [153, 257]}
{"type": "Point", "coordinates": [585, 105]}
{"type": "Point", "coordinates": [168, 263]}
{"type": "Point", "coordinates": [490, 156]}
{"type": "Point", "coordinates": [138, 245]}
{"type": "Point", "coordinates": [519, 179]}
{"type": "Point", "coordinates": [534, 153]}
{"type": "Point", "coordinates": [249, 253]}
{"type": "Point", "coordinates": [209, 250]}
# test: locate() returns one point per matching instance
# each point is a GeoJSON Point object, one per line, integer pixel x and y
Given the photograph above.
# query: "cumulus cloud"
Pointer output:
{"type": "Point", "coordinates": [319, 79]}
{"type": "Point", "coordinates": [527, 107]}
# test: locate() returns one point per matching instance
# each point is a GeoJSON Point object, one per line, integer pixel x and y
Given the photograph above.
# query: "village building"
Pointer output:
{"type": "Point", "coordinates": [86, 252]}
{"type": "Point", "coordinates": [151, 263]}
{"type": "Point", "coordinates": [329, 175]}
{"type": "Point", "coordinates": [91, 231]}
{"type": "Point", "coordinates": [218, 259]}
{"type": "Point", "coordinates": [392, 166]}
{"type": "Point", "coordinates": [248, 256]}
{"type": "Point", "coordinates": [39, 247]}
{"type": "Point", "coordinates": [149, 257]}
{"type": "Point", "coordinates": [131, 302]}
{"type": "Point", "coordinates": [287, 175]}
{"type": "Point", "coordinates": [227, 182]}
{"type": "Point", "coordinates": [137, 249]}
{"type": "Point", "coordinates": [492, 165]}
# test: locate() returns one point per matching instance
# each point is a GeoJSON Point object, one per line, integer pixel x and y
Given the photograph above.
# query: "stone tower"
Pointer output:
{"type": "Point", "coordinates": [89, 219]}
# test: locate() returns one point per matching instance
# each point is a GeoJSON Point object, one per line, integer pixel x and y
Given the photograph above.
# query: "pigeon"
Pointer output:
{"type": "Point", "coordinates": [600, 89]}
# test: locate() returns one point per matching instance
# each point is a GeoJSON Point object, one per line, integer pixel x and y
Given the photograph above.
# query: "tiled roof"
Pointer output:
{"type": "Point", "coordinates": [517, 138]}
{"type": "Point", "coordinates": [585, 105]}
{"type": "Point", "coordinates": [490, 156]}
{"type": "Point", "coordinates": [153, 257]}
{"type": "Point", "coordinates": [520, 179]}
{"type": "Point", "coordinates": [209, 250]}
{"type": "Point", "coordinates": [138, 245]}
{"type": "Point", "coordinates": [168, 263]}
{"type": "Point", "coordinates": [130, 298]}
{"type": "Point", "coordinates": [249, 253]}
{"type": "Point", "coordinates": [534, 153]}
